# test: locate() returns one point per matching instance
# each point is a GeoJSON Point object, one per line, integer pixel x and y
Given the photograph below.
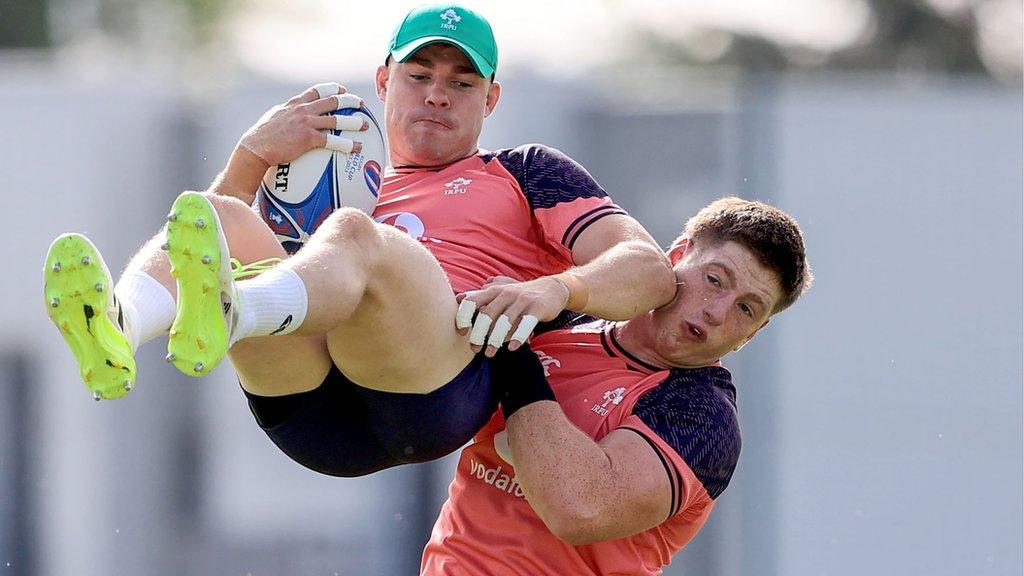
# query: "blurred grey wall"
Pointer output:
{"type": "Point", "coordinates": [881, 415]}
{"type": "Point", "coordinates": [897, 420]}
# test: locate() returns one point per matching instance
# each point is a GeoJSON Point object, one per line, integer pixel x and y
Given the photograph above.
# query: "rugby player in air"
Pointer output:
{"type": "Point", "coordinates": [350, 352]}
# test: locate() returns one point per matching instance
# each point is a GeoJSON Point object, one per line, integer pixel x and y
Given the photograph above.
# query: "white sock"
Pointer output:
{"type": "Point", "coordinates": [272, 303]}
{"type": "Point", "coordinates": [148, 308]}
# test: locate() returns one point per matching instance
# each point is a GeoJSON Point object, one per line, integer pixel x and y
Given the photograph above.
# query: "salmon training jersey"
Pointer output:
{"type": "Point", "coordinates": [514, 212]}
{"type": "Point", "coordinates": [688, 417]}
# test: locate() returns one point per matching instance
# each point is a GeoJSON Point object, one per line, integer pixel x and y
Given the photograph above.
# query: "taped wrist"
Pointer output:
{"type": "Point", "coordinates": [518, 378]}
{"type": "Point", "coordinates": [253, 155]}
{"type": "Point", "coordinates": [579, 292]}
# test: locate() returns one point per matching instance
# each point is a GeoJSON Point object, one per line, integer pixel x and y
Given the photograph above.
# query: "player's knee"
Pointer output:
{"type": "Point", "coordinates": [248, 236]}
{"type": "Point", "coordinates": [352, 227]}
{"type": "Point", "coordinates": [232, 212]}
{"type": "Point", "coordinates": [349, 221]}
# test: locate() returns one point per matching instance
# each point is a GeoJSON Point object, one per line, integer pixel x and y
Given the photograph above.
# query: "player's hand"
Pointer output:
{"type": "Point", "coordinates": [503, 304]}
{"type": "Point", "coordinates": [305, 122]}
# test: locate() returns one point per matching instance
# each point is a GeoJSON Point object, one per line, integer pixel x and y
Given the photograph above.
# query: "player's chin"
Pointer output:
{"type": "Point", "coordinates": [689, 355]}
{"type": "Point", "coordinates": [433, 152]}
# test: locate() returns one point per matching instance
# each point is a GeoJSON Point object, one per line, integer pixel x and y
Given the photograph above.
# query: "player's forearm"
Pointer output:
{"type": "Point", "coordinates": [241, 177]}
{"type": "Point", "coordinates": [585, 491]}
{"type": "Point", "coordinates": [626, 280]}
{"type": "Point", "coordinates": [568, 478]}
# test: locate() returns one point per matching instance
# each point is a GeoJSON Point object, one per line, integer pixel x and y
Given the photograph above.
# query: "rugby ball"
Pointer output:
{"type": "Point", "coordinates": [295, 198]}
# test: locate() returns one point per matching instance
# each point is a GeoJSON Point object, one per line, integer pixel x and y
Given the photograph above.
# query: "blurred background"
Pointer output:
{"type": "Point", "coordinates": [882, 416]}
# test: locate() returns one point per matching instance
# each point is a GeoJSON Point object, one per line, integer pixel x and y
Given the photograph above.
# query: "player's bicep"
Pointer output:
{"type": "Point", "coordinates": [605, 233]}
{"type": "Point", "coordinates": [643, 494]}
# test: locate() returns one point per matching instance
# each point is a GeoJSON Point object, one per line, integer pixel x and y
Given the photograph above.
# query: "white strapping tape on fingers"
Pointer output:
{"type": "Point", "coordinates": [348, 122]}
{"type": "Point", "coordinates": [339, 144]}
{"type": "Point", "coordinates": [501, 328]}
{"type": "Point", "coordinates": [479, 333]}
{"type": "Point", "coordinates": [526, 326]}
{"type": "Point", "coordinates": [327, 89]}
{"type": "Point", "coordinates": [347, 100]}
{"type": "Point", "coordinates": [464, 315]}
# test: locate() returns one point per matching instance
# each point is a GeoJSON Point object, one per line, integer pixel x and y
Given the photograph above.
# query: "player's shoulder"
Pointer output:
{"type": "Point", "coordinates": [538, 166]}
{"type": "Point", "coordinates": [694, 411]}
{"type": "Point", "coordinates": [715, 381]}
{"type": "Point", "coordinates": [706, 394]}
{"type": "Point", "coordinates": [526, 155]}
{"type": "Point", "coordinates": [546, 175]}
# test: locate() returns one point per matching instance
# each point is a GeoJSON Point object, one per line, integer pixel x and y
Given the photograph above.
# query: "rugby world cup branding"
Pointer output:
{"type": "Point", "coordinates": [281, 177]}
{"type": "Point", "coordinates": [371, 173]}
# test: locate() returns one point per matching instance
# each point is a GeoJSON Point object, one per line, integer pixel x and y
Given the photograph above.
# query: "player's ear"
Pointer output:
{"type": "Point", "coordinates": [381, 81]}
{"type": "Point", "coordinates": [678, 249]}
{"type": "Point", "coordinates": [493, 95]}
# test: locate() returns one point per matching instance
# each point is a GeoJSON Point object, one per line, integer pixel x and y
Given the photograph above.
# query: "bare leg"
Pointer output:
{"type": "Point", "coordinates": [379, 306]}
{"type": "Point", "coordinates": [297, 363]}
{"type": "Point", "coordinates": [383, 302]}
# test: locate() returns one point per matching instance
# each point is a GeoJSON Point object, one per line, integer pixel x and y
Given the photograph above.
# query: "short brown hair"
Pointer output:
{"type": "Point", "coordinates": [770, 234]}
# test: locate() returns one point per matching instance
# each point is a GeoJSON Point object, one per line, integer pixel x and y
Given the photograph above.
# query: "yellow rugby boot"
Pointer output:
{"type": "Point", "coordinates": [80, 301]}
{"type": "Point", "coordinates": [201, 264]}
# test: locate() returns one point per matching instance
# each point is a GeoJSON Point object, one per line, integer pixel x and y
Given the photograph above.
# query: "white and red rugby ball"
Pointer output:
{"type": "Point", "coordinates": [295, 198]}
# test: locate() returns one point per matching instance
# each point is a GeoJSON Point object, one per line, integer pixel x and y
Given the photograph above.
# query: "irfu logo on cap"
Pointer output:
{"type": "Point", "coordinates": [450, 20]}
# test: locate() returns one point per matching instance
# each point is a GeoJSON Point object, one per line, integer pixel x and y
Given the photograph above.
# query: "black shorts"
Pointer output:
{"type": "Point", "coordinates": [342, 429]}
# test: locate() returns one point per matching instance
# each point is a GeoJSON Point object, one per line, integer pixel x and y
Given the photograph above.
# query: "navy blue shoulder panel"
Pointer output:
{"type": "Point", "coordinates": [547, 176]}
{"type": "Point", "coordinates": [694, 411]}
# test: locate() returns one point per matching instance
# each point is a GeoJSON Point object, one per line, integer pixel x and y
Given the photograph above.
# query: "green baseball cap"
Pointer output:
{"type": "Point", "coordinates": [450, 24]}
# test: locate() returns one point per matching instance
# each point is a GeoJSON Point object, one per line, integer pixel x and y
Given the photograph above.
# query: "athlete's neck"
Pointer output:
{"type": "Point", "coordinates": [636, 336]}
{"type": "Point", "coordinates": [397, 164]}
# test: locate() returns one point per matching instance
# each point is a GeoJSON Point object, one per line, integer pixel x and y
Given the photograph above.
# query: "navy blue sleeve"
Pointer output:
{"type": "Point", "coordinates": [547, 176]}
{"type": "Point", "coordinates": [694, 412]}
